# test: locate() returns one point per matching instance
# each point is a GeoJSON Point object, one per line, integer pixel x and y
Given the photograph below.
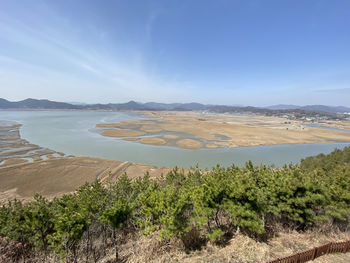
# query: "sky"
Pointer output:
{"type": "Point", "coordinates": [232, 52]}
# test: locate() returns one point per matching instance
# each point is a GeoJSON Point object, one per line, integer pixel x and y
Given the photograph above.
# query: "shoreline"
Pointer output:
{"type": "Point", "coordinates": [26, 169]}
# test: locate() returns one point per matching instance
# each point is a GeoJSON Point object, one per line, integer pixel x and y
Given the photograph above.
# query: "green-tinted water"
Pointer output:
{"type": "Point", "coordinates": [73, 132]}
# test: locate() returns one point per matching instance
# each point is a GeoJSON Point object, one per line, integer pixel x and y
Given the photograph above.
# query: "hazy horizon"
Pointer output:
{"type": "Point", "coordinates": [175, 102]}
{"type": "Point", "coordinates": [256, 53]}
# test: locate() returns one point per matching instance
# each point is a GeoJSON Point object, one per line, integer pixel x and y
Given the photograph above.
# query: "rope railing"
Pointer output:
{"type": "Point", "coordinates": [311, 254]}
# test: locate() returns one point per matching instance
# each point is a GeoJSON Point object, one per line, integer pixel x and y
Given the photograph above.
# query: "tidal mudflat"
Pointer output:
{"type": "Point", "coordinates": [14, 149]}
{"type": "Point", "coordinates": [193, 130]}
{"type": "Point", "coordinates": [26, 169]}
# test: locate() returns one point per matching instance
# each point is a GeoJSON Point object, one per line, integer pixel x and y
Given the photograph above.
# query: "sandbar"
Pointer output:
{"type": "Point", "coordinates": [11, 139]}
{"type": "Point", "coordinates": [153, 141]}
{"type": "Point", "coordinates": [109, 125]}
{"type": "Point", "coordinates": [189, 144]}
{"type": "Point", "coordinates": [212, 146]}
{"type": "Point", "coordinates": [122, 133]}
{"type": "Point", "coordinates": [150, 128]}
{"type": "Point", "coordinates": [345, 125]}
{"type": "Point", "coordinates": [170, 136]}
{"type": "Point", "coordinates": [131, 139]}
{"type": "Point", "coordinates": [13, 161]}
{"type": "Point", "coordinates": [211, 130]}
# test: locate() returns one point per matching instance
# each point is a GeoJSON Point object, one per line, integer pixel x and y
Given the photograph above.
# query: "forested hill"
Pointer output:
{"type": "Point", "coordinates": [132, 105]}
{"type": "Point", "coordinates": [338, 159]}
{"type": "Point", "coordinates": [193, 208]}
{"type": "Point", "coordinates": [35, 104]}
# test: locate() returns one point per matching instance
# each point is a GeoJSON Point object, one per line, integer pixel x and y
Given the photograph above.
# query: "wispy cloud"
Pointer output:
{"type": "Point", "coordinates": [62, 56]}
{"type": "Point", "coordinates": [155, 51]}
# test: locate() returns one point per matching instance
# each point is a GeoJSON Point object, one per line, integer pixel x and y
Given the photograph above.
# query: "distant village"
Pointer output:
{"type": "Point", "coordinates": [314, 116]}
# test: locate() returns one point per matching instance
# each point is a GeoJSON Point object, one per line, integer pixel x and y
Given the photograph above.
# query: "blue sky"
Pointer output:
{"type": "Point", "coordinates": [246, 52]}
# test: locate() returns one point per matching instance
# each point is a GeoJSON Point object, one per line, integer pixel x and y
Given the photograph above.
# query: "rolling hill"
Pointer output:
{"type": "Point", "coordinates": [132, 105]}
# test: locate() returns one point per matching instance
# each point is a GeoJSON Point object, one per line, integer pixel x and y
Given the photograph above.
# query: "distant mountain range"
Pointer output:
{"type": "Point", "coordinates": [320, 108]}
{"type": "Point", "coordinates": [132, 105]}
{"type": "Point", "coordinates": [35, 104]}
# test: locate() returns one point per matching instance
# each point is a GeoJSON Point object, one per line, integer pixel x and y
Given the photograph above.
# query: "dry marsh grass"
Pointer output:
{"type": "Point", "coordinates": [240, 249]}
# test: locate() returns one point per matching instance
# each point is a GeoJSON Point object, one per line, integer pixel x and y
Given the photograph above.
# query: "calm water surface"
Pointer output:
{"type": "Point", "coordinates": [73, 132]}
{"type": "Point", "coordinates": [317, 125]}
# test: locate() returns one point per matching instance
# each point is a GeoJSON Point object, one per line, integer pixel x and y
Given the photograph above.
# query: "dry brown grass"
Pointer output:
{"type": "Point", "coordinates": [240, 249]}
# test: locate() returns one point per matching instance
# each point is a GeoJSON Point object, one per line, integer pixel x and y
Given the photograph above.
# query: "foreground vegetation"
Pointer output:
{"type": "Point", "coordinates": [195, 207]}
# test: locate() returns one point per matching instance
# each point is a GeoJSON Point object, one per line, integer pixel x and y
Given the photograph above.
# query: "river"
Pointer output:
{"type": "Point", "coordinates": [74, 133]}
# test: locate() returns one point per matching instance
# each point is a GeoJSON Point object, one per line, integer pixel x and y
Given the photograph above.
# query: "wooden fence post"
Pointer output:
{"type": "Point", "coordinates": [347, 246]}
{"type": "Point", "coordinates": [314, 254]}
{"type": "Point", "coordinates": [329, 246]}
{"type": "Point", "coordinates": [311, 254]}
